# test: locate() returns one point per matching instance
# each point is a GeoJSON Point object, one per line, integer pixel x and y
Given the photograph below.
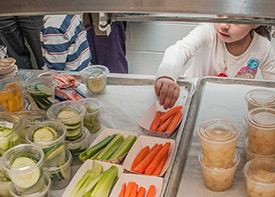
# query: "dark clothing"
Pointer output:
{"type": "Point", "coordinates": [110, 51]}
{"type": "Point", "coordinates": [13, 30]}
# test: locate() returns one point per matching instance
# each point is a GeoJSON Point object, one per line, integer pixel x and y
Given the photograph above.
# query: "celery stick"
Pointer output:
{"type": "Point", "coordinates": [111, 147]}
{"type": "Point", "coordinates": [92, 183]}
{"type": "Point", "coordinates": [95, 155]}
{"type": "Point", "coordinates": [80, 183]}
{"type": "Point", "coordinates": [104, 185]}
{"type": "Point", "coordinates": [124, 147]}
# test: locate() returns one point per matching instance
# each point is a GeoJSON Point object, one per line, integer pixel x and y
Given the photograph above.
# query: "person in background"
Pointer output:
{"type": "Point", "coordinates": [14, 31]}
{"type": "Point", "coordinates": [64, 43]}
{"type": "Point", "coordinates": [220, 49]}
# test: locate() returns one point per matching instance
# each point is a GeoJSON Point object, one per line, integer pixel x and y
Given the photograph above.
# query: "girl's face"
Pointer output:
{"type": "Point", "coordinates": [230, 33]}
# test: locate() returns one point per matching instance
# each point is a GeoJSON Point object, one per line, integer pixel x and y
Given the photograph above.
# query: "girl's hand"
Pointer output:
{"type": "Point", "coordinates": [168, 91]}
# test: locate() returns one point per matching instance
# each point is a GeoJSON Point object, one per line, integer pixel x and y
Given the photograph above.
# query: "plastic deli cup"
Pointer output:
{"type": "Point", "coordinates": [260, 177]}
{"type": "Point", "coordinates": [251, 155]}
{"type": "Point", "coordinates": [95, 78]}
{"type": "Point", "coordinates": [219, 179]}
{"type": "Point", "coordinates": [10, 126]}
{"type": "Point", "coordinates": [41, 91]}
{"type": "Point", "coordinates": [218, 140]}
{"type": "Point", "coordinates": [4, 188]}
{"type": "Point", "coordinates": [43, 192]}
{"type": "Point", "coordinates": [260, 98]}
{"type": "Point", "coordinates": [261, 130]}
{"type": "Point", "coordinates": [60, 174]}
{"type": "Point", "coordinates": [92, 115]}
{"type": "Point", "coordinates": [11, 94]}
{"type": "Point", "coordinates": [50, 136]}
{"type": "Point", "coordinates": [70, 113]}
{"type": "Point", "coordinates": [23, 164]}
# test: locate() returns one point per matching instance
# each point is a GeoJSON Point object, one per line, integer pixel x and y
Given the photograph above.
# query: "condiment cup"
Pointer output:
{"type": "Point", "coordinates": [260, 98]}
{"type": "Point", "coordinates": [218, 141]}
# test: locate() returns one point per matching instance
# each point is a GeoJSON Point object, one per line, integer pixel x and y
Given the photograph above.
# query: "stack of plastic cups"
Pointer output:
{"type": "Point", "coordinates": [71, 113]}
{"type": "Point", "coordinates": [23, 163]}
{"type": "Point", "coordinates": [50, 136]}
{"type": "Point", "coordinates": [219, 159]}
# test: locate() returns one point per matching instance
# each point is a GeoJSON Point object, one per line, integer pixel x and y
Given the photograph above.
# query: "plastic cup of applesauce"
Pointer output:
{"type": "Point", "coordinates": [251, 155]}
{"type": "Point", "coordinates": [261, 130]}
{"type": "Point", "coordinates": [218, 141]}
{"type": "Point", "coordinates": [219, 179]}
{"type": "Point", "coordinates": [260, 98]}
{"type": "Point", "coordinates": [260, 177]}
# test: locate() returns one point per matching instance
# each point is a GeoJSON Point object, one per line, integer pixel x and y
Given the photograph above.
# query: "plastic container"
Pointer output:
{"type": "Point", "coordinates": [4, 188]}
{"type": "Point", "coordinates": [92, 116]}
{"type": "Point", "coordinates": [41, 91]}
{"type": "Point", "coordinates": [260, 98]}
{"type": "Point", "coordinates": [11, 94]}
{"type": "Point", "coordinates": [53, 145]}
{"type": "Point", "coordinates": [10, 126]}
{"type": "Point", "coordinates": [7, 65]}
{"type": "Point", "coordinates": [251, 155]}
{"type": "Point", "coordinates": [260, 177]}
{"type": "Point", "coordinates": [95, 78]}
{"type": "Point", "coordinates": [219, 179]}
{"type": "Point", "coordinates": [60, 174]}
{"type": "Point", "coordinates": [73, 120]}
{"type": "Point", "coordinates": [218, 141]}
{"type": "Point", "coordinates": [261, 130]}
{"type": "Point", "coordinates": [27, 176]}
{"type": "Point", "coordinates": [78, 146]}
{"type": "Point", "coordinates": [44, 192]}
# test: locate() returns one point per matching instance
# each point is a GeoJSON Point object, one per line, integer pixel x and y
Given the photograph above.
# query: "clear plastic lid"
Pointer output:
{"type": "Point", "coordinates": [262, 117]}
{"type": "Point", "coordinates": [261, 97]}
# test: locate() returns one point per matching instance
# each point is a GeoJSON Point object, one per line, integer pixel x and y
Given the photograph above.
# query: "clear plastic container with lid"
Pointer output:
{"type": "Point", "coordinates": [260, 98]}
{"type": "Point", "coordinates": [261, 130]}
{"type": "Point", "coordinates": [260, 177]}
{"type": "Point", "coordinates": [218, 141]}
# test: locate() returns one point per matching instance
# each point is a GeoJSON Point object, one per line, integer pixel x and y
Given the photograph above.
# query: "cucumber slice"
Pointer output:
{"type": "Point", "coordinates": [55, 151]}
{"type": "Point", "coordinates": [44, 134]}
{"type": "Point", "coordinates": [25, 180]}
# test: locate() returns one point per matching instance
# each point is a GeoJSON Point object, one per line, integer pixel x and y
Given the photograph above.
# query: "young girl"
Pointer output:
{"type": "Point", "coordinates": [219, 49]}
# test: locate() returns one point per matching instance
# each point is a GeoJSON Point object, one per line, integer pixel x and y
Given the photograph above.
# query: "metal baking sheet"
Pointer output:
{"type": "Point", "coordinates": [214, 98]}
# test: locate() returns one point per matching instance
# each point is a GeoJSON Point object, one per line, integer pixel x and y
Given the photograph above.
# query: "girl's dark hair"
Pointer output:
{"type": "Point", "coordinates": [265, 31]}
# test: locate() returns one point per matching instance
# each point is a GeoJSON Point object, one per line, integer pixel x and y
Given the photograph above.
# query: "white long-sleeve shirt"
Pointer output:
{"type": "Point", "coordinates": [210, 54]}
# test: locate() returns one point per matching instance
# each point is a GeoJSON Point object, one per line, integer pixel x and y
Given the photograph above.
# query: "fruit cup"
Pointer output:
{"type": "Point", "coordinates": [218, 141]}
{"type": "Point", "coordinates": [11, 94]}
{"type": "Point", "coordinates": [260, 177]}
{"type": "Point", "coordinates": [23, 163]}
{"type": "Point", "coordinates": [50, 136]}
{"type": "Point", "coordinates": [260, 98]}
{"type": "Point", "coordinates": [261, 130]}
{"type": "Point", "coordinates": [92, 115]}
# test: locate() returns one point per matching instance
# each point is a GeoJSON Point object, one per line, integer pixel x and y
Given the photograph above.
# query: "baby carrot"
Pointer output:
{"type": "Point", "coordinates": [122, 191]}
{"type": "Point", "coordinates": [157, 159]}
{"type": "Point", "coordinates": [155, 122]}
{"type": "Point", "coordinates": [129, 189]}
{"type": "Point", "coordinates": [170, 112]}
{"type": "Point", "coordinates": [134, 190]}
{"type": "Point", "coordinates": [147, 160]}
{"type": "Point", "coordinates": [163, 126]}
{"type": "Point", "coordinates": [141, 155]}
{"type": "Point", "coordinates": [141, 192]}
{"type": "Point", "coordinates": [174, 122]}
{"type": "Point", "coordinates": [159, 168]}
{"type": "Point", "coordinates": [151, 191]}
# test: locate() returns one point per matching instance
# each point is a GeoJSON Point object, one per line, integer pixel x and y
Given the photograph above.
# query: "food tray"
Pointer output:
{"type": "Point", "coordinates": [214, 98]}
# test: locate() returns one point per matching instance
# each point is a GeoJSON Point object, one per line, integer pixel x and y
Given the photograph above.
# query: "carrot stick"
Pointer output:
{"type": "Point", "coordinates": [141, 155]}
{"type": "Point", "coordinates": [151, 191]}
{"type": "Point", "coordinates": [174, 122]}
{"type": "Point", "coordinates": [170, 112]}
{"type": "Point", "coordinates": [141, 192]}
{"type": "Point", "coordinates": [129, 189]}
{"type": "Point", "coordinates": [155, 122]}
{"type": "Point", "coordinates": [147, 160]}
{"type": "Point", "coordinates": [122, 191]}
{"type": "Point", "coordinates": [163, 126]}
{"type": "Point", "coordinates": [159, 168]}
{"type": "Point", "coordinates": [134, 190]}
{"type": "Point", "coordinates": [157, 159]}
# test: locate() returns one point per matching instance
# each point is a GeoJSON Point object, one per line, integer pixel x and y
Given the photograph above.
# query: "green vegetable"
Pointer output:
{"type": "Point", "coordinates": [92, 120]}
{"type": "Point", "coordinates": [111, 147]}
{"type": "Point", "coordinates": [124, 147]}
{"type": "Point", "coordinates": [94, 149]}
{"type": "Point", "coordinates": [80, 183]}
